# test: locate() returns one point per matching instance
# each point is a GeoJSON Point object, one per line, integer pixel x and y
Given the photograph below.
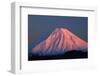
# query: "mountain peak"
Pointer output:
{"type": "Point", "coordinates": [60, 29]}
{"type": "Point", "coordinates": [59, 41]}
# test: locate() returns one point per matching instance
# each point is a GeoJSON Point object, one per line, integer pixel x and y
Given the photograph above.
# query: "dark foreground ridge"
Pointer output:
{"type": "Point", "coordinates": [74, 54]}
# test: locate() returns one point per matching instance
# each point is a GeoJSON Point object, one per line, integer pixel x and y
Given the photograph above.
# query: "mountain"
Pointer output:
{"type": "Point", "coordinates": [60, 41]}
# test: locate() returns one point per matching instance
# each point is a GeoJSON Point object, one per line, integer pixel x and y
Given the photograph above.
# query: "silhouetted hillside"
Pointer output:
{"type": "Point", "coordinates": [73, 54]}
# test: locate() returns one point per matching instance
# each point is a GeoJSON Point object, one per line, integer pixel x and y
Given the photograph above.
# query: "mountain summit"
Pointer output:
{"type": "Point", "coordinates": [61, 40]}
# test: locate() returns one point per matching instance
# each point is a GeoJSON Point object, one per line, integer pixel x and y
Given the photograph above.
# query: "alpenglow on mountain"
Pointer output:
{"type": "Point", "coordinates": [61, 40]}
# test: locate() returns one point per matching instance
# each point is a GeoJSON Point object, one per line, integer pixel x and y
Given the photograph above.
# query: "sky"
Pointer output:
{"type": "Point", "coordinates": [40, 27]}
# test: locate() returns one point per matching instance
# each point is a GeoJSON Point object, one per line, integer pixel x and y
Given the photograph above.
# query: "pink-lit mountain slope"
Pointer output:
{"type": "Point", "coordinates": [60, 40]}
